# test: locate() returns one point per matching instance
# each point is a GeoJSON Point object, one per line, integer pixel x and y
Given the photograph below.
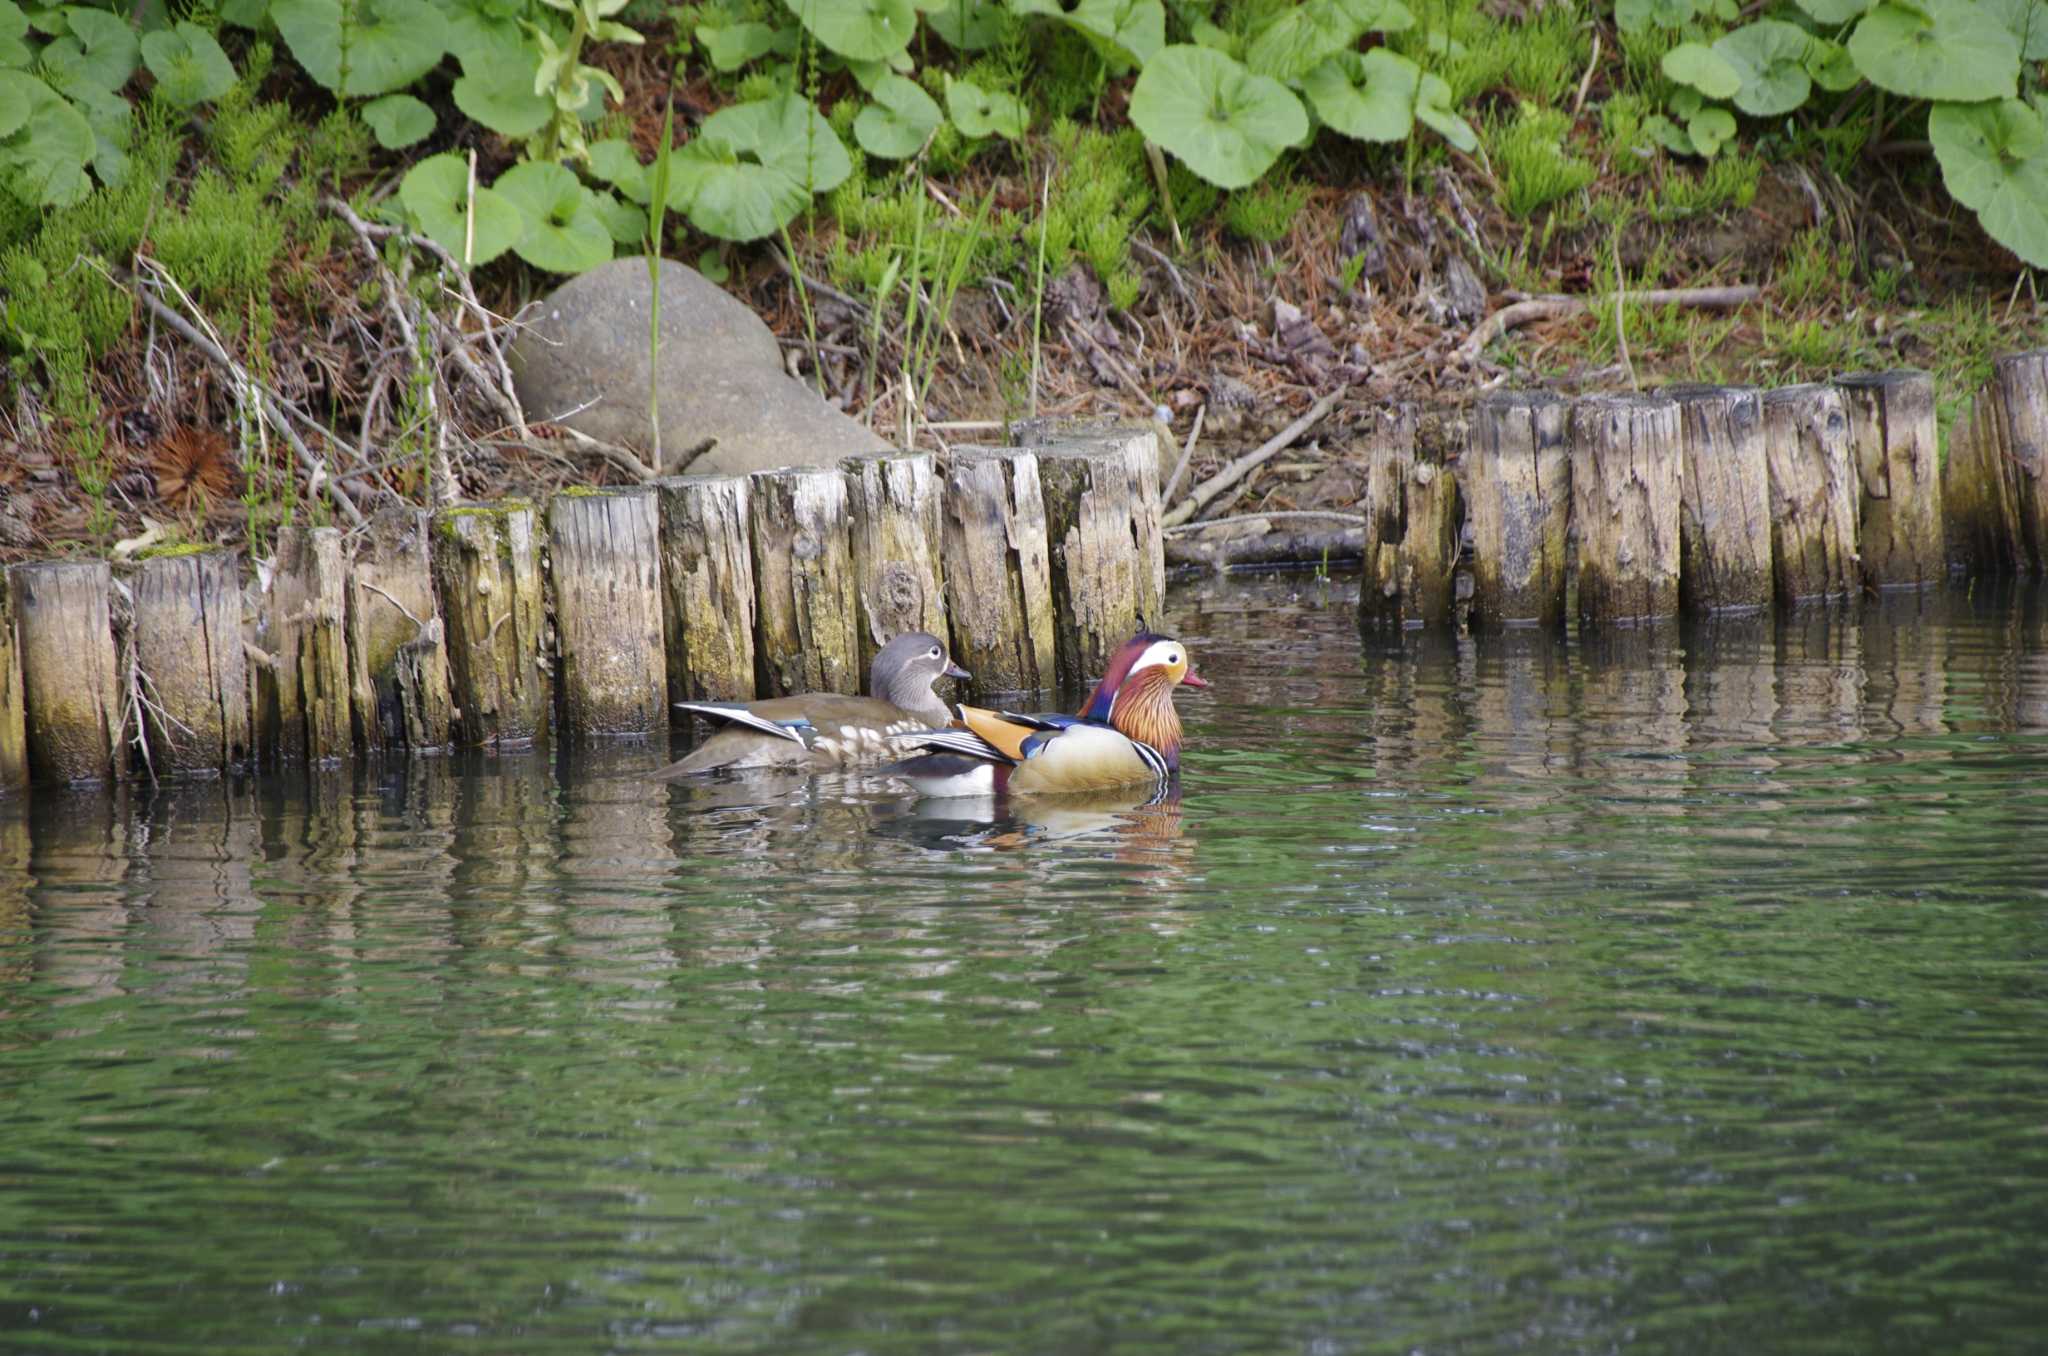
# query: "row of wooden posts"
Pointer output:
{"type": "Point", "coordinates": [1700, 499]}
{"type": "Point", "coordinates": [511, 622]}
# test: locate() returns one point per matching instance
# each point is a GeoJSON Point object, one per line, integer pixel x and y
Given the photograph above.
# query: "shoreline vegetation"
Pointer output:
{"type": "Point", "coordinates": [259, 259]}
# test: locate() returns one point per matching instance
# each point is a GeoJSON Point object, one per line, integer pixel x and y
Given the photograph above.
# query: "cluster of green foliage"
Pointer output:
{"type": "Point", "coordinates": [1975, 62]}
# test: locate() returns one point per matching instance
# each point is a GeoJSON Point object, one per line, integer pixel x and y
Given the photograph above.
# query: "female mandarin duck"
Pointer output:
{"type": "Point", "coordinates": [819, 731]}
{"type": "Point", "coordinates": [1128, 734]}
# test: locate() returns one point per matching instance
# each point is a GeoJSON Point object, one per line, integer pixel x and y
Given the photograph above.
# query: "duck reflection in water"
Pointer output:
{"type": "Point", "coordinates": [1140, 819]}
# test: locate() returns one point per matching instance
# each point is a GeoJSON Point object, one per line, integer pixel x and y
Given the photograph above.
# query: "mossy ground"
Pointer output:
{"type": "Point", "coordinates": [1361, 265]}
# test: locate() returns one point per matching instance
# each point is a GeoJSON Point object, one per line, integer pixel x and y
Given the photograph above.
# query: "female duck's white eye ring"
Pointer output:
{"type": "Point", "coordinates": [935, 652]}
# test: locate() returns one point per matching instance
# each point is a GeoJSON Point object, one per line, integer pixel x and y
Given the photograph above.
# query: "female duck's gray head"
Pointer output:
{"type": "Point", "coordinates": [905, 670]}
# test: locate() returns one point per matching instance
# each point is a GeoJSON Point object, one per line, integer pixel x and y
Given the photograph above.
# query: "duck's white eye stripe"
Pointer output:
{"type": "Point", "coordinates": [1162, 652]}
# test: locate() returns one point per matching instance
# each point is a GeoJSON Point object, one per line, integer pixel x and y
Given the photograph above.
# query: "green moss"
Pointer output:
{"type": "Point", "coordinates": [1530, 157]}
{"type": "Point", "coordinates": [1265, 211]}
{"type": "Point", "coordinates": [173, 550]}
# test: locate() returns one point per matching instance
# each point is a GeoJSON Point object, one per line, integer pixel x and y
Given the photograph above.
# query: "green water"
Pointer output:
{"type": "Point", "coordinates": [1679, 992]}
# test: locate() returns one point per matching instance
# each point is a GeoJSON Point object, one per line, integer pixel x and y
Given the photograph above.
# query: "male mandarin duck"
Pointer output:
{"type": "Point", "coordinates": [820, 731]}
{"type": "Point", "coordinates": [1128, 734]}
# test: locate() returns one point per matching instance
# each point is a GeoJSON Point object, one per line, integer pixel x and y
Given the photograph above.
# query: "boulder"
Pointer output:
{"type": "Point", "coordinates": [582, 360]}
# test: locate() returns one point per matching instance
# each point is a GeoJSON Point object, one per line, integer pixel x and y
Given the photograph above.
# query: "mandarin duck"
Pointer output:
{"type": "Point", "coordinates": [819, 731]}
{"type": "Point", "coordinates": [1128, 734]}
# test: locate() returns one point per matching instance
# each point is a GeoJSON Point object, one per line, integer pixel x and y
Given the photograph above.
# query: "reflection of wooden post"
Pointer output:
{"type": "Point", "coordinates": [894, 506]}
{"type": "Point", "coordinates": [398, 666]}
{"type": "Point", "coordinates": [1411, 530]}
{"type": "Point", "coordinates": [305, 698]}
{"type": "Point", "coordinates": [190, 663]}
{"type": "Point", "coordinates": [998, 569]}
{"type": "Point", "coordinates": [1813, 492]}
{"type": "Point", "coordinates": [805, 615]}
{"type": "Point", "coordinates": [1724, 518]}
{"type": "Point", "coordinates": [13, 724]}
{"type": "Point", "coordinates": [487, 566]}
{"type": "Point", "coordinates": [604, 561]}
{"type": "Point", "coordinates": [1893, 431]}
{"type": "Point", "coordinates": [70, 686]}
{"type": "Point", "coordinates": [1625, 487]}
{"type": "Point", "coordinates": [1107, 552]}
{"type": "Point", "coordinates": [707, 587]}
{"type": "Point", "coordinates": [1515, 479]}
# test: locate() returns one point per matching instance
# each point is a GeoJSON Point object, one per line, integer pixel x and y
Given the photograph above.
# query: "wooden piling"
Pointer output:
{"type": "Point", "coordinates": [398, 664]}
{"type": "Point", "coordinates": [1893, 429]}
{"type": "Point", "coordinates": [303, 700]}
{"type": "Point", "coordinates": [500, 647]}
{"type": "Point", "coordinates": [998, 569]}
{"type": "Point", "coordinates": [1411, 533]}
{"type": "Point", "coordinates": [806, 612]}
{"type": "Point", "coordinates": [1107, 553]}
{"type": "Point", "coordinates": [1625, 481]}
{"type": "Point", "coordinates": [893, 503]}
{"type": "Point", "coordinates": [1812, 475]}
{"type": "Point", "coordinates": [13, 723]}
{"type": "Point", "coordinates": [604, 562]}
{"type": "Point", "coordinates": [191, 670]}
{"type": "Point", "coordinates": [2017, 396]}
{"type": "Point", "coordinates": [707, 588]}
{"type": "Point", "coordinates": [1980, 508]}
{"type": "Point", "coordinates": [71, 692]}
{"type": "Point", "coordinates": [1724, 515]}
{"type": "Point", "coordinates": [1054, 430]}
{"type": "Point", "coordinates": [1516, 482]}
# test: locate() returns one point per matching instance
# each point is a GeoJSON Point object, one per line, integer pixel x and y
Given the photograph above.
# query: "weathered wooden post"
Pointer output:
{"type": "Point", "coordinates": [1980, 508]}
{"type": "Point", "coordinates": [604, 559]}
{"type": "Point", "coordinates": [806, 614]}
{"type": "Point", "coordinates": [1107, 551]}
{"type": "Point", "coordinates": [707, 588]}
{"type": "Point", "coordinates": [494, 605]}
{"type": "Point", "coordinates": [1812, 475]}
{"type": "Point", "coordinates": [1516, 482]}
{"type": "Point", "coordinates": [1054, 430]}
{"type": "Point", "coordinates": [398, 661]}
{"type": "Point", "coordinates": [303, 699]}
{"type": "Point", "coordinates": [998, 569]}
{"type": "Point", "coordinates": [71, 691]}
{"type": "Point", "coordinates": [893, 502]}
{"type": "Point", "coordinates": [1411, 531]}
{"type": "Point", "coordinates": [1724, 515]}
{"type": "Point", "coordinates": [2004, 456]}
{"type": "Point", "coordinates": [1893, 428]}
{"type": "Point", "coordinates": [1625, 486]}
{"type": "Point", "coordinates": [13, 721]}
{"type": "Point", "coordinates": [191, 669]}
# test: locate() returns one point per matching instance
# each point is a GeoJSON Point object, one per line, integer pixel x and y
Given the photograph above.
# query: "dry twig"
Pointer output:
{"type": "Point", "coordinates": [1215, 485]}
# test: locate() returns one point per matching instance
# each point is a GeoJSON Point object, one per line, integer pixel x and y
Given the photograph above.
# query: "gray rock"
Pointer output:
{"type": "Point", "coordinates": [721, 374]}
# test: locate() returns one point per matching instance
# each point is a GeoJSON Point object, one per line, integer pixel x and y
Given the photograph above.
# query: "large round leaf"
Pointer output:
{"type": "Point", "coordinates": [1434, 110]}
{"type": "Point", "coordinates": [616, 162]}
{"type": "Point", "coordinates": [399, 120]}
{"type": "Point", "coordinates": [14, 107]}
{"type": "Point", "coordinates": [1226, 123]}
{"type": "Point", "coordinates": [390, 43]}
{"type": "Point", "coordinates": [1770, 57]}
{"type": "Point", "coordinates": [1301, 37]}
{"type": "Point", "coordinates": [752, 167]}
{"type": "Point", "coordinates": [1637, 16]}
{"type": "Point", "coordinates": [985, 113]}
{"type": "Point", "coordinates": [896, 125]}
{"type": "Point", "coordinates": [860, 30]}
{"type": "Point", "coordinates": [1703, 68]}
{"type": "Point", "coordinates": [188, 64]}
{"type": "Point", "coordinates": [1834, 11]}
{"type": "Point", "coordinates": [732, 46]}
{"type": "Point", "coordinates": [966, 25]}
{"type": "Point", "coordinates": [1369, 96]}
{"type": "Point", "coordinates": [13, 25]}
{"type": "Point", "coordinates": [564, 233]}
{"type": "Point", "coordinates": [43, 159]}
{"type": "Point", "coordinates": [1994, 159]}
{"type": "Point", "coordinates": [2026, 20]}
{"type": "Point", "coordinates": [436, 192]}
{"type": "Point", "coordinates": [1940, 49]}
{"type": "Point", "coordinates": [100, 47]}
{"type": "Point", "coordinates": [1137, 28]}
{"type": "Point", "coordinates": [498, 69]}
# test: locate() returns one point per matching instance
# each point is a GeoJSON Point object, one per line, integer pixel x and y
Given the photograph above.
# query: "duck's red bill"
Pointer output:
{"type": "Point", "coordinates": [1193, 679]}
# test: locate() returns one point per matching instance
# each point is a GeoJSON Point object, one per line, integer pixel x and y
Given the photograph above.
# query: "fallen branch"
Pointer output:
{"type": "Point", "coordinates": [1130, 383]}
{"type": "Point", "coordinates": [1215, 485]}
{"type": "Point", "coordinates": [1303, 550]}
{"type": "Point", "coordinates": [1187, 453]}
{"type": "Point", "coordinates": [1278, 516]}
{"type": "Point", "coordinates": [273, 407]}
{"type": "Point", "coordinates": [1559, 308]}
